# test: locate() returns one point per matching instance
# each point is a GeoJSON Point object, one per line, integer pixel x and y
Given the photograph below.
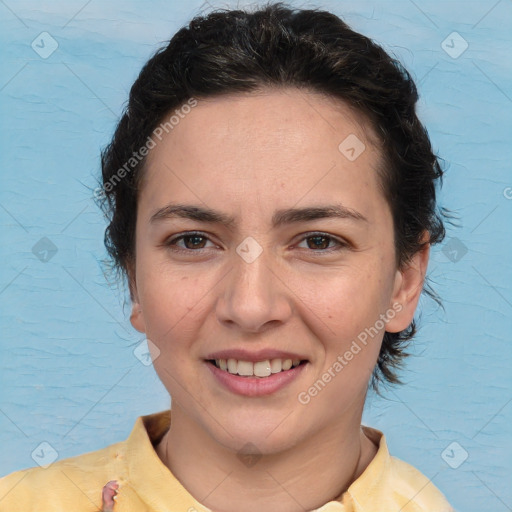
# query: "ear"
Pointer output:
{"type": "Point", "coordinates": [408, 285]}
{"type": "Point", "coordinates": [137, 316]}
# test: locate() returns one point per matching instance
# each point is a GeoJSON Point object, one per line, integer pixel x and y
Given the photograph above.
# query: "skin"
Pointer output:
{"type": "Point", "coordinates": [108, 495]}
{"type": "Point", "coordinates": [248, 155]}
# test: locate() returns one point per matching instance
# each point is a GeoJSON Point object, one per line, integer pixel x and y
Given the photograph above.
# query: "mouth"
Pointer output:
{"type": "Point", "coordinates": [258, 369]}
{"type": "Point", "coordinates": [256, 378]}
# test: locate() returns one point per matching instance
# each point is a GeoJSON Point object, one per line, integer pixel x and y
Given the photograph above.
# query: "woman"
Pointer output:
{"type": "Point", "coordinates": [271, 197]}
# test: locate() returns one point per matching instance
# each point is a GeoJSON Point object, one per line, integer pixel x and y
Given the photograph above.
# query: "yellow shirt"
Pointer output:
{"type": "Point", "coordinates": [146, 484]}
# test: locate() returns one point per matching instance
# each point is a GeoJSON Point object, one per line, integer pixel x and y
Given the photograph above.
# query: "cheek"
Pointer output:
{"type": "Point", "coordinates": [350, 345]}
{"type": "Point", "coordinates": [171, 302]}
{"type": "Point", "coordinates": [172, 308]}
{"type": "Point", "coordinates": [348, 298]}
{"type": "Point", "coordinates": [344, 308]}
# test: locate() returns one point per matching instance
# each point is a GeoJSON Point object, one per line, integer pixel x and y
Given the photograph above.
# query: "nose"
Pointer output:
{"type": "Point", "coordinates": [254, 296]}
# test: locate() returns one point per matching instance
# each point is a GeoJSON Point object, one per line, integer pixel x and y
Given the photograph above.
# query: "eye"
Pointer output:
{"type": "Point", "coordinates": [319, 242]}
{"type": "Point", "coordinates": [192, 241]}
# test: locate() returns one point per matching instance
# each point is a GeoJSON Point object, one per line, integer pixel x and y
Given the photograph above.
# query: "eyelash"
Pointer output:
{"type": "Point", "coordinates": [171, 243]}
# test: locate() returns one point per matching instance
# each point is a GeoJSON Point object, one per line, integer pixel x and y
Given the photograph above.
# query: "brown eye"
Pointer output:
{"type": "Point", "coordinates": [190, 242]}
{"type": "Point", "coordinates": [318, 242]}
{"type": "Point", "coordinates": [322, 242]}
{"type": "Point", "coordinates": [194, 241]}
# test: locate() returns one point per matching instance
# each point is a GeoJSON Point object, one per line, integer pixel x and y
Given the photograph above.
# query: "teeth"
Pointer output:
{"type": "Point", "coordinates": [287, 364]}
{"type": "Point", "coordinates": [258, 369]}
{"type": "Point", "coordinates": [261, 368]}
{"type": "Point", "coordinates": [245, 368]}
{"type": "Point", "coordinates": [232, 365]}
{"type": "Point", "coordinates": [276, 365]}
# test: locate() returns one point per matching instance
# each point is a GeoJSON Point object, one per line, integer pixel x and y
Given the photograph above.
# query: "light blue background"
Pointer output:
{"type": "Point", "coordinates": [68, 372]}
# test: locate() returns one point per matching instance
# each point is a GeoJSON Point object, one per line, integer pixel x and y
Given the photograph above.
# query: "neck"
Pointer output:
{"type": "Point", "coordinates": [305, 477]}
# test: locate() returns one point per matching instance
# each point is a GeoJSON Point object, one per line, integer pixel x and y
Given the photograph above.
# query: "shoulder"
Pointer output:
{"type": "Point", "coordinates": [412, 486]}
{"type": "Point", "coordinates": [74, 483]}
{"type": "Point", "coordinates": [392, 484]}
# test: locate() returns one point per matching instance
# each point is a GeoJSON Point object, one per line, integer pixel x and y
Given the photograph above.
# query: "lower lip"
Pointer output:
{"type": "Point", "coordinates": [256, 386]}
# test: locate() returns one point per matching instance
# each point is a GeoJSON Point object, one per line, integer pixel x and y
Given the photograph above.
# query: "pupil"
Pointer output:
{"type": "Point", "coordinates": [317, 241]}
{"type": "Point", "coordinates": [195, 239]}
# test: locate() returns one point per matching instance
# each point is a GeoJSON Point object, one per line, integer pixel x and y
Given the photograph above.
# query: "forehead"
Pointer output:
{"type": "Point", "coordinates": [286, 142]}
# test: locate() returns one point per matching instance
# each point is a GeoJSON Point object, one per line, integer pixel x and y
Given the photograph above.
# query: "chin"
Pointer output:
{"type": "Point", "coordinates": [264, 436]}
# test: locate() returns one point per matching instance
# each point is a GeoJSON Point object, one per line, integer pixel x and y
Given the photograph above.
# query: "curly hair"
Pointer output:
{"type": "Point", "coordinates": [231, 51]}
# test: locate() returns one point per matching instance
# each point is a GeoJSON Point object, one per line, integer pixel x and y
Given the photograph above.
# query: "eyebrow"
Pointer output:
{"type": "Point", "coordinates": [280, 217]}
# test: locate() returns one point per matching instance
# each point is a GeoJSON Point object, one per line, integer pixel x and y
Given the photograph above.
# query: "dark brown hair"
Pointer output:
{"type": "Point", "coordinates": [232, 51]}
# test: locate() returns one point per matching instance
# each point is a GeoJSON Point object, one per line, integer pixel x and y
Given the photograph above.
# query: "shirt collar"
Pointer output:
{"type": "Point", "coordinates": [369, 488]}
{"type": "Point", "coordinates": [163, 491]}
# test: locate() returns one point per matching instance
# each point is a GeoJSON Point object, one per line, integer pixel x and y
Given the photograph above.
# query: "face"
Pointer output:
{"type": "Point", "coordinates": [258, 267]}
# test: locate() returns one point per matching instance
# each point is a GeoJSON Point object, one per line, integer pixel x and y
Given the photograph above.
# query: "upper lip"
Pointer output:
{"type": "Point", "coordinates": [260, 355]}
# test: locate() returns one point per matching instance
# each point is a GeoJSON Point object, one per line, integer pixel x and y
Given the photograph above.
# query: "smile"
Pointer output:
{"type": "Point", "coordinates": [254, 379]}
{"type": "Point", "coordinates": [259, 369]}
